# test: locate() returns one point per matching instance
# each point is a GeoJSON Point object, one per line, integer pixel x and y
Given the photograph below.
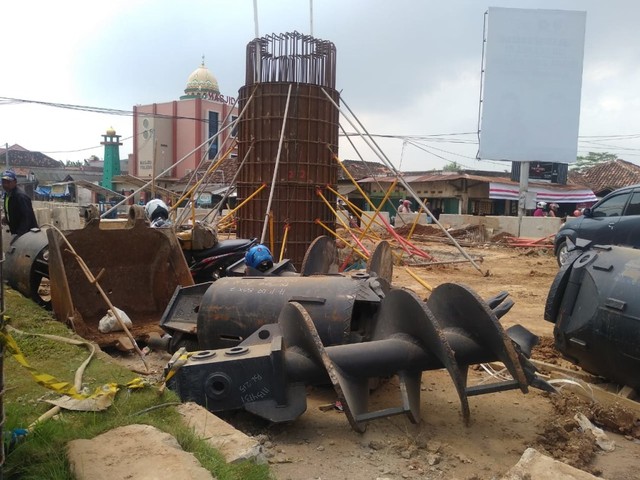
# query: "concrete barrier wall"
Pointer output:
{"type": "Point", "coordinates": [410, 219]}
{"type": "Point", "coordinates": [366, 218]}
{"type": "Point", "coordinates": [66, 216]}
{"type": "Point", "coordinates": [530, 227]}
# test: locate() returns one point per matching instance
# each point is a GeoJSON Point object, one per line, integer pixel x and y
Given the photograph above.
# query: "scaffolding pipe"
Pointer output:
{"type": "Point", "coordinates": [275, 168]}
{"type": "Point", "coordinates": [402, 181]}
{"type": "Point", "coordinates": [125, 199]}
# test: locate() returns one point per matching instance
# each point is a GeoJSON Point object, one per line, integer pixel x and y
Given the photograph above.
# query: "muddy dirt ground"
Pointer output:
{"type": "Point", "coordinates": [321, 444]}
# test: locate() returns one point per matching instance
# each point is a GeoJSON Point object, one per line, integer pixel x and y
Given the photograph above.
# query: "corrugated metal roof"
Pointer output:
{"type": "Point", "coordinates": [145, 184]}
{"type": "Point", "coordinates": [21, 157]}
{"type": "Point", "coordinates": [98, 189]}
{"type": "Point", "coordinates": [437, 177]}
{"type": "Point", "coordinates": [48, 176]}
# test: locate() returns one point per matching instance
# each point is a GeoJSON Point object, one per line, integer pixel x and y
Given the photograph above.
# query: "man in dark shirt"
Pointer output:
{"type": "Point", "coordinates": [18, 211]}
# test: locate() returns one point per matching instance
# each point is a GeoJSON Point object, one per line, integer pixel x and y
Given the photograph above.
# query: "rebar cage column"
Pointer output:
{"type": "Point", "coordinates": [273, 64]}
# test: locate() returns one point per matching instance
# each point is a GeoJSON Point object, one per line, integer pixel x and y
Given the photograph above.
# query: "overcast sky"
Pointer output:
{"type": "Point", "coordinates": [406, 68]}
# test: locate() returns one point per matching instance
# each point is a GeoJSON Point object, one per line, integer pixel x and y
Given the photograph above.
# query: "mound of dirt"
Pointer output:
{"type": "Point", "coordinates": [427, 230]}
{"type": "Point", "coordinates": [564, 441]}
{"type": "Point", "coordinates": [616, 419]}
{"type": "Point", "coordinates": [502, 237]}
{"type": "Point", "coordinates": [612, 418]}
{"type": "Point", "coordinates": [545, 351]}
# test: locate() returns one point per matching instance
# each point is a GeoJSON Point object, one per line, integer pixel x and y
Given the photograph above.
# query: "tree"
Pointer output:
{"type": "Point", "coordinates": [592, 159]}
{"type": "Point", "coordinates": [72, 163]}
{"type": "Point", "coordinates": [452, 167]}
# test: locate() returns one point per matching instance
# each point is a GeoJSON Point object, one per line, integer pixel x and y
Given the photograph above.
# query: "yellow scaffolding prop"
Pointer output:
{"type": "Point", "coordinates": [243, 203]}
{"type": "Point", "coordinates": [346, 226]}
{"type": "Point", "coordinates": [284, 241]}
{"type": "Point", "coordinates": [189, 193]}
{"type": "Point", "coordinates": [376, 214]}
{"type": "Point", "coordinates": [418, 279]}
{"type": "Point", "coordinates": [339, 237]}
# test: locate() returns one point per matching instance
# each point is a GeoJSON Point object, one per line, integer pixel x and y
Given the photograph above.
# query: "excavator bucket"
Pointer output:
{"type": "Point", "coordinates": [137, 267]}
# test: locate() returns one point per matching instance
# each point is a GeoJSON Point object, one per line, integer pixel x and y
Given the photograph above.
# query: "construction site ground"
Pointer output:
{"type": "Point", "coordinates": [321, 444]}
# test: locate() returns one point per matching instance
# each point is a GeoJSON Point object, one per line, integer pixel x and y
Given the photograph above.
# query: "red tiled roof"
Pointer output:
{"type": "Point", "coordinates": [609, 176]}
{"type": "Point", "coordinates": [360, 169]}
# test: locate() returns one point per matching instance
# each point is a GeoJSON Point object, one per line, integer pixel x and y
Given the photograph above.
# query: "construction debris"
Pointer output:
{"type": "Point", "coordinates": [535, 466]}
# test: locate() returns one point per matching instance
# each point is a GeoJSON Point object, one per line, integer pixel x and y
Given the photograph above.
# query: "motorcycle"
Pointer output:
{"type": "Point", "coordinates": [207, 257]}
{"type": "Point", "coordinates": [212, 263]}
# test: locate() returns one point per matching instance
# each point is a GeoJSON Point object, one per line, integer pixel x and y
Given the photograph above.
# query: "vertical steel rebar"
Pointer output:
{"type": "Point", "coordinates": [293, 153]}
{"type": "Point", "coordinates": [293, 58]}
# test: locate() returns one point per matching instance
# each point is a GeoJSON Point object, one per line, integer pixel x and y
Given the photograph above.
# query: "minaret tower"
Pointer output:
{"type": "Point", "coordinates": [111, 143]}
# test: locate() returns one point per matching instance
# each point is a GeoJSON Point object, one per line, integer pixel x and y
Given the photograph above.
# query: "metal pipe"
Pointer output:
{"type": "Point", "coordinates": [275, 169]}
{"type": "Point", "coordinates": [402, 181]}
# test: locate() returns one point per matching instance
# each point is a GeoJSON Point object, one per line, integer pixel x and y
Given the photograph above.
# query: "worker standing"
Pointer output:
{"type": "Point", "coordinates": [540, 210]}
{"type": "Point", "coordinates": [18, 210]}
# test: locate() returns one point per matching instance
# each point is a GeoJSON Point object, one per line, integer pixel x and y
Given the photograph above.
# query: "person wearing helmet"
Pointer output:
{"type": "Point", "coordinates": [406, 207]}
{"type": "Point", "coordinates": [553, 210]}
{"type": "Point", "coordinates": [540, 209]}
{"type": "Point", "coordinates": [157, 213]}
{"type": "Point", "coordinates": [259, 258]}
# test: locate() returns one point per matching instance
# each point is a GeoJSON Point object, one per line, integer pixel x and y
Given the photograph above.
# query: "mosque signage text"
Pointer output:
{"type": "Point", "coordinates": [217, 97]}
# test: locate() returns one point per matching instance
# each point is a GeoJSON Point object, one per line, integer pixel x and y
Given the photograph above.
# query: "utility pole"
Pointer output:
{"type": "Point", "coordinates": [522, 194]}
{"type": "Point", "coordinates": [153, 166]}
{"type": "Point", "coordinates": [6, 150]}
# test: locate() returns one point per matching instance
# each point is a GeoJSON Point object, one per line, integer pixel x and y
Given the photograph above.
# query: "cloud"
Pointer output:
{"type": "Point", "coordinates": [405, 67]}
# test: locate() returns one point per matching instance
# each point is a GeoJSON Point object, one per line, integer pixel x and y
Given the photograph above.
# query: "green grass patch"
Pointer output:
{"type": "Point", "coordinates": [41, 453]}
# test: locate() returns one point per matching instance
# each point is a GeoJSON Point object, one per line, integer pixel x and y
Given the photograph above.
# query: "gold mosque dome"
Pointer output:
{"type": "Point", "coordinates": [111, 132]}
{"type": "Point", "coordinates": [201, 80]}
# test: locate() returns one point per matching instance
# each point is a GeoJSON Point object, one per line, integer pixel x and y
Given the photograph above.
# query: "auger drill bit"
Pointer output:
{"type": "Point", "coordinates": [267, 372]}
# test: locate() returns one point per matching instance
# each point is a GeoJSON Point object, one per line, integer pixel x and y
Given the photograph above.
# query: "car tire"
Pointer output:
{"type": "Point", "coordinates": [562, 253]}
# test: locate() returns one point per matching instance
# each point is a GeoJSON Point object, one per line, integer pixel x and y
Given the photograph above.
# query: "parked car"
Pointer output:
{"type": "Point", "coordinates": [614, 220]}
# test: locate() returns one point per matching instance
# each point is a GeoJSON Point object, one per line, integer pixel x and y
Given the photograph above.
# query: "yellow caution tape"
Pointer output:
{"type": "Point", "coordinates": [136, 383]}
{"type": "Point", "coordinates": [175, 366]}
{"type": "Point", "coordinates": [52, 383]}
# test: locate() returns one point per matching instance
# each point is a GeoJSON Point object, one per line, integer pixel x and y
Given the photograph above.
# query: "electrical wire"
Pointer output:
{"type": "Point", "coordinates": [590, 141]}
{"type": "Point", "coordinates": [86, 108]}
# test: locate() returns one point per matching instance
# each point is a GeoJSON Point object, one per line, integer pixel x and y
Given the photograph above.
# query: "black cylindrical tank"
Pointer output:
{"type": "Point", "coordinates": [597, 319]}
{"type": "Point", "coordinates": [26, 265]}
{"type": "Point", "coordinates": [233, 308]}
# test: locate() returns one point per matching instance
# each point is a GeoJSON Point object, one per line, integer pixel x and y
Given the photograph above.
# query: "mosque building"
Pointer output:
{"type": "Point", "coordinates": [172, 137]}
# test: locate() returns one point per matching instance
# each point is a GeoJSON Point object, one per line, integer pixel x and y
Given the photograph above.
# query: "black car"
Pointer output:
{"type": "Point", "coordinates": [614, 220]}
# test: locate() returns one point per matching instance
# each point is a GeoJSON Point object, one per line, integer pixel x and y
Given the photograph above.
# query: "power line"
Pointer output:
{"type": "Point", "coordinates": [451, 137]}
{"type": "Point", "coordinates": [86, 108]}
{"type": "Point", "coordinates": [434, 136]}
{"type": "Point", "coordinates": [89, 148]}
{"type": "Point", "coordinates": [618, 137]}
{"type": "Point", "coordinates": [426, 149]}
{"type": "Point", "coordinates": [616, 147]}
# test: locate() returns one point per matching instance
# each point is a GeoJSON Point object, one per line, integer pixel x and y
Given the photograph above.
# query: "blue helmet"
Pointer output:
{"type": "Point", "coordinates": [259, 257]}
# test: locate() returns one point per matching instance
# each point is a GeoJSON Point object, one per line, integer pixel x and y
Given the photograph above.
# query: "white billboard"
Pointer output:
{"type": "Point", "coordinates": [531, 85]}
